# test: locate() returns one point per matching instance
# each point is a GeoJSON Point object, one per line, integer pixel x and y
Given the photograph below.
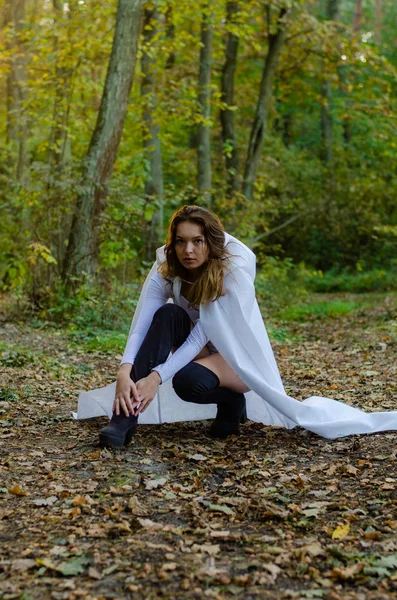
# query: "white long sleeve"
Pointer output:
{"type": "Point", "coordinates": [155, 298]}
{"type": "Point", "coordinates": [194, 343]}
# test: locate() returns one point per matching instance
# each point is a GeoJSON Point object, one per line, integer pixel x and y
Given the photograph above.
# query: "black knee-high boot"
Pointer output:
{"type": "Point", "coordinates": [196, 383]}
{"type": "Point", "coordinates": [170, 327]}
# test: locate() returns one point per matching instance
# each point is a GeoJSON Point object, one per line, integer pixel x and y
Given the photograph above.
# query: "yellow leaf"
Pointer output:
{"type": "Point", "coordinates": [17, 491]}
{"type": "Point", "coordinates": [341, 532]}
{"type": "Point", "coordinates": [78, 500]}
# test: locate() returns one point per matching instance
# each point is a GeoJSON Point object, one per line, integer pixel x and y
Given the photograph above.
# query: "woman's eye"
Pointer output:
{"type": "Point", "coordinates": [199, 241]}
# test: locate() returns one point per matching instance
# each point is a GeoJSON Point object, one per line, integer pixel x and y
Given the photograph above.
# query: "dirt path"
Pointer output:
{"type": "Point", "coordinates": [270, 514]}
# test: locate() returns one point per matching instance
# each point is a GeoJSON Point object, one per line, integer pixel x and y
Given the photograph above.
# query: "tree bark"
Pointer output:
{"type": "Point", "coordinates": [378, 21]}
{"type": "Point", "coordinates": [81, 256]}
{"type": "Point", "coordinates": [326, 153]}
{"type": "Point", "coordinates": [154, 189]}
{"type": "Point", "coordinates": [170, 33]}
{"type": "Point", "coordinates": [16, 90]}
{"type": "Point", "coordinates": [259, 126]}
{"type": "Point", "coordinates": [62, 97]}
{"type": "Point", "coordinates": [357, 15]}
{"type": "Point", "coordinates": [227, 97]}
{"type": "Point", "coordinates": [204, 174]}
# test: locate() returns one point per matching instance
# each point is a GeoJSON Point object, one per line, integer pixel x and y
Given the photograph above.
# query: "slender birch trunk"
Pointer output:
{"type": "Point", "coordinates": [16, 90]}
{"type": "Point", "coordinates": [227, 96]}
{"type": "Point", "coordinates": [82, 251]}
{"type": "Point", "coordinates": [326, 153]}
{"type": "Point", "coordinates": [204, 173]}
{"type": "Point", "coordinates": [154, 189]}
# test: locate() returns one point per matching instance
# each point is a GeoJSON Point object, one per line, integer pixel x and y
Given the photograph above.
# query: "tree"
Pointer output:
{"type": "Point", "coordinates": [227, 98]}
{"type": "Point", "coordinates": [98, 165]}
{"type": "Point", "coordinates": [151, 141]}
{"type": "Point", "coordinates": [326, 104]}
{"type": "Point", "coordinates": [204, 173]}
{"type": "Point", "coordinates": [16, 88]}
{"type": "Point", "coordinates": [259, 126]}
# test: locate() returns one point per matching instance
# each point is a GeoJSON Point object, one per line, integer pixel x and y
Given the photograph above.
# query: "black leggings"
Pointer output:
{"type": "Point", "coordinates": [193, 383]}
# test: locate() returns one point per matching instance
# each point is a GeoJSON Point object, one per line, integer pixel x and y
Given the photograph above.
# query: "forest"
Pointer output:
{"type": "Point", "coordinates": [278, 115]}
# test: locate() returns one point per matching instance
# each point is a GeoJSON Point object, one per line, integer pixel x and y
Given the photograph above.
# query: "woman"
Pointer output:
{"type": "Point", "coordinates": [199, 302]}
{"type": "Point", "coordinates": [196, 253]}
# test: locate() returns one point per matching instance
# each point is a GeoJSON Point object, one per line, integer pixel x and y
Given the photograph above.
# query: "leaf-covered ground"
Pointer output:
{"type": "Point", "coordinates": [270, 514]}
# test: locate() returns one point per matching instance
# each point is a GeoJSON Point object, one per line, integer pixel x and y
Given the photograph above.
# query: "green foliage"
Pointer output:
{"type": "Point", "coordinates": [279, 283]}
{"type": "Point", "coordinates": [376, 280]}
{"type": "Point", "coordinates": [326, 218]}
{"type": "Point", "coordinates": [319, 310]}
{"type": "Point", "coordinates": [100, 340]}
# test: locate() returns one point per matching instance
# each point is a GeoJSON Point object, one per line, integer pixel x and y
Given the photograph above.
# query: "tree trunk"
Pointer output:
{"type": "Point", "coordinates": [357, 15]}
{"type": "Point", "coordinates": [326, 154]}
{"type": "Point", "coordinates": [151, 140]}
{"type": "Point", "coordinates": [170, 33]}
{"type": "Point", "coordinates": [16, 90]}
{"type": "Point", "coordinates": [259, 126]}
{"type": "Point", "coordinates": [227, 97]}
{"type": "Point", "coordinates": [82, 249]}
{"type": "Point", "coordinates": [326, 121]}
{"type": "Point", "coordinates": [62, 97]}
{"type": "Point", "coordinates": [204, 175]}
{"type": "Point", "coordinates": [378, 21]}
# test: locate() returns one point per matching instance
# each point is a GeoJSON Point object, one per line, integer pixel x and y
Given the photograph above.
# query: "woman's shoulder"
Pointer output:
{"type": "Point", "coordinates": [240, 256]}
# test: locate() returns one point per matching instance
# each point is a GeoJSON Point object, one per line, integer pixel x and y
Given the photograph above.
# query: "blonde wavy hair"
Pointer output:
{"type": "Point", "coordinates": [209, 286]}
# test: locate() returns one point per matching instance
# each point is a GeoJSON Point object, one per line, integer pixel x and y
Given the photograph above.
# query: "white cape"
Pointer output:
{"type": "Point", "coordinates": [234, 325]}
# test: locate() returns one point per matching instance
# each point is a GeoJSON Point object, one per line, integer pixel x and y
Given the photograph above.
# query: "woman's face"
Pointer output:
{"type": "Point", "coordinates": [190, 245]}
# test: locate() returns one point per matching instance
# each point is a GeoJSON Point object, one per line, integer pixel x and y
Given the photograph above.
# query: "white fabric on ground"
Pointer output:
{"type": "Point", "coordinates": [235, 326]}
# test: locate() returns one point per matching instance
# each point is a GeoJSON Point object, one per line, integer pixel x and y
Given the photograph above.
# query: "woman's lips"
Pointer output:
{"type": "Point", "coordinates": [189, 259]}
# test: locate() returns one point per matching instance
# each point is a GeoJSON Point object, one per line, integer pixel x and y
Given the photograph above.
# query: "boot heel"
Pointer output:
{"type": "Point", "coordinates": [244, 417]}
{"type": "Point", "coordinates": [119, 432]}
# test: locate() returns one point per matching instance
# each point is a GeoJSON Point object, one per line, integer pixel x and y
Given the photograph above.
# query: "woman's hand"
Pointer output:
{"type": "Point", "coordinates": [126, 392]}
{"type": "Point", "coordinates": [146, 389]}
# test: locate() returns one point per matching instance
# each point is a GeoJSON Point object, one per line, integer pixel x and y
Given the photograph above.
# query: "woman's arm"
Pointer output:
{"type": "Point", "coordinates": [147, 387]}
{"type": "Point", "coordinates": [156, 297]}
{"type": "Point", "coordinates": [126, 392]}
{"type": "Point", "coordinates": [189, 350]}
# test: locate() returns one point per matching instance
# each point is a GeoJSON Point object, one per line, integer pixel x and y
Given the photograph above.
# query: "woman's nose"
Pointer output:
{"type": "Point", "coordinates": [189, 247]}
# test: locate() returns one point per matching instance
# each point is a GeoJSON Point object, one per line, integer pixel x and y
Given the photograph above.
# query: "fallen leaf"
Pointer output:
{"type": "Point", "coordinates": [210, 549]}
{"type": "Point", "coordinates": [23, 564]}
{"type": "Point", "coordinates": [169, 566]}
{"type": "Point", "coordinates": [45, 501]}
{"type": "Point", "coordinates": [17, 491]}
{"type": "Point", "coordinates": [347, 572]}
{"type": "Point", "coordinates": [155, 483]}
{"type": "Point", "coordinates": [94, 574]}
{"type": "Point", "coordinates": [149, 524]}
{"type": "Point", "coordinates": [136, 507]}
{"type": "Point", "coordinates": [350, 470]}
{"type": "Point", "coordinates": [198, 457]}
{"type": "Point", "coordinates": [341, 532]}
{"type": "Point", "coordinates": [221, 508]}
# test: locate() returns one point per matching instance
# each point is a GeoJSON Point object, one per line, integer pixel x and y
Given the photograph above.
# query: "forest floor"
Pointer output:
{"type": "Point", "coordinates": [269, 514]}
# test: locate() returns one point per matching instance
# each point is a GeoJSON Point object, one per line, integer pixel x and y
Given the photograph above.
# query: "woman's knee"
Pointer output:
{"type": "Point", "coordinates": [184, 384]}
{"type": "Point", "coordinates": [169, 311]}
{"type": "Point", "coordinates": [193, 382]}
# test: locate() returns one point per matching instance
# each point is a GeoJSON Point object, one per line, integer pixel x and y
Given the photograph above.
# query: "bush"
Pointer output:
{"type": "Point", "coordinates": [376, 280]}
{"type": "Point", "coordinates": [278, 283]}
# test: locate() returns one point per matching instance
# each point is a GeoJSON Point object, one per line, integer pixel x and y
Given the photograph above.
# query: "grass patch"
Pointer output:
{"type": "Point", "coordinates": [98, 340]}
{"type": "Point", "coordinates": [319, 310]}
{"type": "Point", "coordinates": [376, 280]}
